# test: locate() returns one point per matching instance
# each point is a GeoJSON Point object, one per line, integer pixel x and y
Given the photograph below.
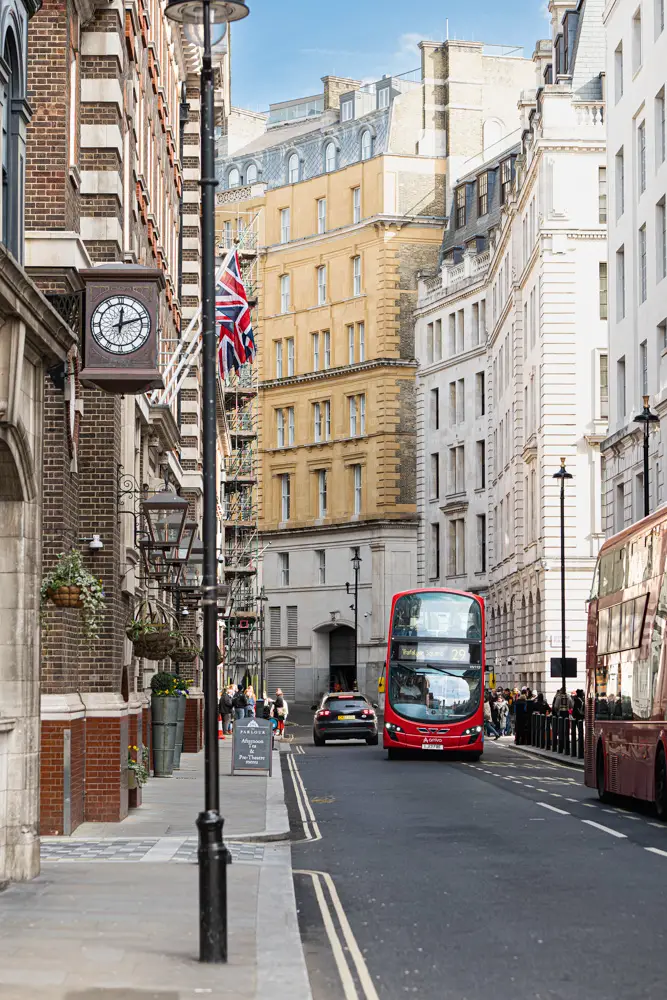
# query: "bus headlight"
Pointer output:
{"type": "Point", "coordinates": [393, 728]}
{"type": "Point", "coordinates": [472, 731]}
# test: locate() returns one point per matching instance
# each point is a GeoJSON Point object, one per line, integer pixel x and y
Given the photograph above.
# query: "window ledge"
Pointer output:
{"type": "Point", "coordinates": [75, 176]}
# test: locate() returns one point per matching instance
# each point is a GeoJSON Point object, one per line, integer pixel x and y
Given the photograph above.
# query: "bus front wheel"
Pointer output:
{"type": "Point", "coordinates": [394, 754]}
{"type": "Point", "coordinates": [599, 774]}
{"type": "Point", "coordinates": [661, 785]}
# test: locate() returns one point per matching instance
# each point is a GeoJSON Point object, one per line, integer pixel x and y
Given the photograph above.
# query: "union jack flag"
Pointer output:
{"type": "Point", "coordinates": [236, 343]}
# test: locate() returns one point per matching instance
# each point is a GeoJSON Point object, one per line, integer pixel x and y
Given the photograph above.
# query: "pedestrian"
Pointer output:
{"type": "Point", "coordinates": [280, 711]}
{"type": "Point", "coordinates": [541, 706]}
{"type": "Point", "coordinates": [562, 703]}
{"type": "Point", "coordinates": [226, 709]}
{"type": "Point", "coordinates": [503, 711]}
{"type": "Point", "coordinates": [521, 718]}
{"type": "Point", "coordinates": [251, 701]}
{"type": "Point", "coordinates": [489, 727]}
{"type": "Point", "coordinates": [240, 704]}
{"type": "Point", "coordinates": [578, 704]}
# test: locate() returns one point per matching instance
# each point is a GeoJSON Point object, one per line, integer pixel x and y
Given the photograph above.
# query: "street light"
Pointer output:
{"type": "Point", "coordinates": [213, 855]}
{"type": "Point", "coordinates": [165, 514]}
{"type": "Point", "coordinates": [562, 475]}
{"type": "Point", "coordinates": [356, 566]}
{"type": "Point", "coordinates": [261, 600]}
{"type": "Point", "coordinates": [646, 418]}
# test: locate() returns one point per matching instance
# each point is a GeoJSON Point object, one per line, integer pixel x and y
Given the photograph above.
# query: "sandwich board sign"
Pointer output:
{"type": "Point", "coordinates": [251, 747]}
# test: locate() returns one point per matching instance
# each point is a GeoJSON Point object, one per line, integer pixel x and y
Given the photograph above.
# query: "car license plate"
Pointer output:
{"type": "Point", "coordinates": [432, 746]}
{"type": "Point", "coordinates": [341, 717]}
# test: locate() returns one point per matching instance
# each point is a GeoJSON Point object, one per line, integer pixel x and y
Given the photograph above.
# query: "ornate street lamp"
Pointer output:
{"type": "Point", "coordinates": [356, 566]}
{"type": "Point", "coordinates": [646, 417]}
{"type": "Point", "coordinates": [562, 475]}
{"type": "Point", "coordinates": [213, 856]}
{"type": "Point", "coordinates": [165, 514]}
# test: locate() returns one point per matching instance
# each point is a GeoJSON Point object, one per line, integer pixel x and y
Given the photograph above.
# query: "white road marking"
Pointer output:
{"type": "Point", "coordinates": [660, 826]}
{"type": "Point", "coordinates": [589, 805]}
{"type": "Point", "coordinates": [305, 811]}
{"type": "Point", "coordinates": [605, 829]}
{"type": "Point", "coordinates": [543, 790]}
{"type": "Point", "coordinates": [556, 795]}
{"type": "Point", "coordinates": [561, 812]}
{"type": "Point", "coordinates": [353, 949]}
{"type": "Point", "coordinates": [571, 800]}
{"type": "Point", "coordinates": [656, 850]}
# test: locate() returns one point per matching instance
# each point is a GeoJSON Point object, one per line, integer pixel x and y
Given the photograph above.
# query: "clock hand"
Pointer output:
{"type": "Point", "coordinates": [120, 323]}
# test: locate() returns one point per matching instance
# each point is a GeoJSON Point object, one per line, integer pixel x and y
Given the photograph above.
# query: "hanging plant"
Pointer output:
{"type": "Point", "coordinates": [151, 633]}
{"type": "Point", "coordinates": [70, 585]}
{"type": "Point", "coordinates": [186, 649]}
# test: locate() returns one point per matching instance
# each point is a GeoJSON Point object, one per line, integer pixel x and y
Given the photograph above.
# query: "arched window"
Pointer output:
{"type": "Point", "coordinates": [293, 169]}
{"type": "Point", "coordinates": [530, 625]}
{"type": "Point", "coordinates": [233, 178]}
{"type": "Point", "coordinates": [538, 622]}
{"type": "Point", "coordinates": [251, 174]}
{"type": "Point", "coordinates": [330, 157]}
{"type": "Point", "coordinates": [366, 145]}
{"type": "Point", "coordinates": [12, 155]}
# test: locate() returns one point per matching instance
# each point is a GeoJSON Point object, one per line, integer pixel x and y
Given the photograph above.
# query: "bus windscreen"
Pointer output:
{"type": "Point", "coordinates": [437, 615]}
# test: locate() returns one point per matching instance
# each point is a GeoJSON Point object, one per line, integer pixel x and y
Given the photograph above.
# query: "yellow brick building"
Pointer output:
{"type": "Point", "coordinates": [347, 190]}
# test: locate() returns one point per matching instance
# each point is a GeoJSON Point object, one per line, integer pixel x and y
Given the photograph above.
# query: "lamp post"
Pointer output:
{"type": "Point", "coordinates": [646, 417]}
{"type": "Point", "coordinates": [562, 475]}
{"type": "Point", "coordinates": [213, 856]}
{"type": "Point", "coordinates": [261, 600]}
{"type": "Point", "coordinates": [356, 566]}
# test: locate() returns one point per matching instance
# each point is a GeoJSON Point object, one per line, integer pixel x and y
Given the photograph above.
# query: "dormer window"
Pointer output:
{"type": "Point", "coordinates": [251, 173]}
{"type": "Point", "coordinates": [233, 178]}
{"type": "Point", "coordinates": [460, 207]}
{"type": "Point", "coordinates": [366, 145]}
{"type": "Point", "coordinates": [383, 97]}
{"type": "Point", "coordinates": [293, 169]}
{"type": "Point", "coordinates": [330, 157]}
{"type": "Point", "coordinates": [506, 174]}
{"type": "Point", "coordinates": [347, 111]}
{"type": "Point", "coordinates": [482, 194]}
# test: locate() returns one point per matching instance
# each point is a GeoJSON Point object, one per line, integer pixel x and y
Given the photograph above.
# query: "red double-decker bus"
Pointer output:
{"type": "Point", "coordinates": [626, 670]}
{"type": "Point", "coordinates": [434, 683]}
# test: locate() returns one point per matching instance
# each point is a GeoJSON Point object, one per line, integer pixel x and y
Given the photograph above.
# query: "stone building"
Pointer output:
{"type": "Point", "coordinates": [113, 88]}
{"type": "Point", "coordinates": [526, 249]}
{"type": "Point", "coordinates": [33, 337]}
{"type": "Point", "coordinates": [636, 47]}
{"type": "Point", "coordinates": [349, 187]}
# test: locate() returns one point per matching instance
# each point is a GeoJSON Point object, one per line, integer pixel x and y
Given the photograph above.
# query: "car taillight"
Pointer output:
{"type": "Point", "coordinates": [368, 712]}
{"type": "Point", "coordinates": [325, 711]}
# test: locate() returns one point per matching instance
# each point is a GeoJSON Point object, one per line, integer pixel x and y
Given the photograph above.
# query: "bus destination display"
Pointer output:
{"type": "Point", "coordinates": [434, 652]}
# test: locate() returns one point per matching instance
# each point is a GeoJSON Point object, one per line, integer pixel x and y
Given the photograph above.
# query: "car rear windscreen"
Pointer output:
{"type": "Point", "coordinates": [346, 704]}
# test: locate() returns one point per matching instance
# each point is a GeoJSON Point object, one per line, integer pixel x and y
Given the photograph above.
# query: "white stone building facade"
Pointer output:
{"type": "Point", "coordinates": [636, 60]}
{"type": "Point", "coordinates": [538, 262]}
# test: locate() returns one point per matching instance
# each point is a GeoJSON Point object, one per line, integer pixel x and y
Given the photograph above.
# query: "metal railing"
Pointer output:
{"type": "Point", "coordinates": [560, 734]}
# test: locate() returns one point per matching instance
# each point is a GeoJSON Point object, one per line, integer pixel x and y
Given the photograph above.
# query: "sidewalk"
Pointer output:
{"type": "Point", "coordinates": [556, 758]}
{"type": "Point", "coordinates": [114, 913]}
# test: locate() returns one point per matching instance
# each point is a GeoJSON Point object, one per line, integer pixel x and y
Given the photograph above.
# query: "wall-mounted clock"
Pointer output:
{"type": "Point", "coordinates": [120, 336]}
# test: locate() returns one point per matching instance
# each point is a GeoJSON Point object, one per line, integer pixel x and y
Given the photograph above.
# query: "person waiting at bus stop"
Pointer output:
{"type": "Point", "coordinates": [489, 727]}
{"type": "Point", "coordinates": [562, 703]}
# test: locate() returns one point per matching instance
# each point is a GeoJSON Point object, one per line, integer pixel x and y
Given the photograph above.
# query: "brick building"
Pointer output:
{"type": "Point", "coordinates": [33, 337]}
{"type": "Point", "coordinates": [113, 89]}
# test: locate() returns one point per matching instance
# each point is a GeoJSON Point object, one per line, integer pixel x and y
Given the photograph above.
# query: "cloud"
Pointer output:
{"type": "Point", "coordinates": [408, 45]}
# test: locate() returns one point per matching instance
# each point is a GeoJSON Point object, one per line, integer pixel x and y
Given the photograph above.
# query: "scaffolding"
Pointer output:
{"type": "Point", "coordinates": [239, 488]}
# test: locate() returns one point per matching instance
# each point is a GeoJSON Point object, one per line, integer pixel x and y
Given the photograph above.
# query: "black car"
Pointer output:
{"type": "Point", "coordinates": [345, 716]}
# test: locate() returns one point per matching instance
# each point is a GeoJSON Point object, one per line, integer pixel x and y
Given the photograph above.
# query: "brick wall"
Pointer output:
{"type": "Point", "coordinates": [106, 769]}
{"type": "Point", "coordinates": [193, 733]}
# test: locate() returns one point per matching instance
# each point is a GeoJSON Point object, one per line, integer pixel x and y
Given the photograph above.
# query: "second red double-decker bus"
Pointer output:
{"type": "Point", "coordinates": [435, 673]}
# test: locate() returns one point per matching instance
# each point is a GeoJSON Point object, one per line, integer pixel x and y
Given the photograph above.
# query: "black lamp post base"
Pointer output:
{"type": "Point", "coordinates": [213, 859]}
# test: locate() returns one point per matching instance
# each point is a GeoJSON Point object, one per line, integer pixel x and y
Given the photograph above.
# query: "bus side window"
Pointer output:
{"type": "Point", "coordinates": [657, 645]}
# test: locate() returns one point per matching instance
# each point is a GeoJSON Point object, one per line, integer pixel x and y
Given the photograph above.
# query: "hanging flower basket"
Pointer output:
{"type": "Point", "coordinates": [70, 585]}
{"type": "Point", "coordinates": [186, 650]}
{"type": "Point", "coordinates": [151, 632]}
{"type": "Point", "coordinates": [66, 597]}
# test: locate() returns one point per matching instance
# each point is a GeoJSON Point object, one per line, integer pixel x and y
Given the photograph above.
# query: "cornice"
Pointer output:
{"type": "Point", "coordinates": [406, 520]}
{"type": "Point", "coordinates": [327, 373]}
{"type": "Point", "coordinates": [378, 221]}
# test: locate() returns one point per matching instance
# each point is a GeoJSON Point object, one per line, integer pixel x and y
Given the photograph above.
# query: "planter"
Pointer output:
{"type": "Point", "coordinates": [132, 780]}
{"type": "Point", "coordinates": [164, 715]}
{"type": "Point", "coordinates": [155, 645]}
{"type": "Point", "coordinates": [180, 727]}
{"type": "Point", "coordinates": [185, 650]}
{"type": "Point", "coordinates": [66, 597]}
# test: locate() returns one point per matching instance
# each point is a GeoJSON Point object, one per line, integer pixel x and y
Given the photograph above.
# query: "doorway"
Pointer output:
{"type": "Point", "coordinates": [341, 658]}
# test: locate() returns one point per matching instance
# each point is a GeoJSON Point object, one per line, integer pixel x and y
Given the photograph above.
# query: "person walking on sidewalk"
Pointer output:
{"type": "Point", "coordinates": [226, 710]}
{"type": "Point", "coordinates": [280, 711]}
{"type": "Point", "coordinates": [240, 704]}
{"type": "Point", "coordinates": [562, 703]}
{"type": "Point", "coordinates": [489, 727]}
{"type": "Point", "coordinates": [503, 711]}
{"type": "Point", "coordinates": [251, 702]}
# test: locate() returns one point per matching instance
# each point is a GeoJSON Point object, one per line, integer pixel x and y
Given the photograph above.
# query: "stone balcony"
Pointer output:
{"type": "Point", "coordinates": [453, 277]}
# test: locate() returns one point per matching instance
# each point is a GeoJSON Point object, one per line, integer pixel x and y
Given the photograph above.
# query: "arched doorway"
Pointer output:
{"type": "Point", "coordinates": [342, 669]}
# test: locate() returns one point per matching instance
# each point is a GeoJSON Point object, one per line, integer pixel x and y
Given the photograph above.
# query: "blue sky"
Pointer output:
{"type": "Point", "coordinates": [283, 48]}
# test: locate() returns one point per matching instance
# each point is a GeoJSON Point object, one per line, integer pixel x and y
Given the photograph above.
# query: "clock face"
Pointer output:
{"type": "Point", "coordinates": [120, 324]}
